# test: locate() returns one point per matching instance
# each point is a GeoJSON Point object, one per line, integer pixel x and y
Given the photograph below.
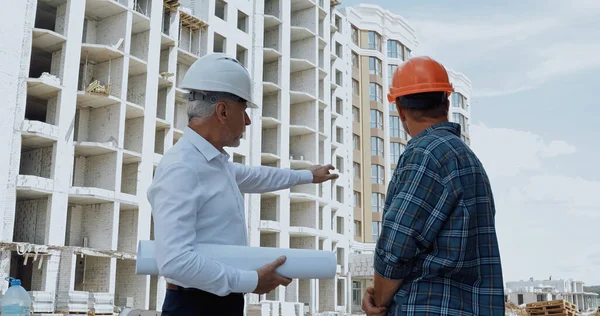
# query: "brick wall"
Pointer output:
{"type": "Point", "coordinates": [37, 162]}
{"type": "Point", "coordinates": [128, 284]}
{"type": "Point", "coordinates": [30, 221]}
{"type": "Point", "coordinates": [128, 223]}
{"type": "Point", "coordinates": [93, 274]}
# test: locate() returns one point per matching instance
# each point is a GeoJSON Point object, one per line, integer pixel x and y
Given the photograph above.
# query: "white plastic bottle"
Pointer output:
{"type": "Point", "coordinates": [16, 301]}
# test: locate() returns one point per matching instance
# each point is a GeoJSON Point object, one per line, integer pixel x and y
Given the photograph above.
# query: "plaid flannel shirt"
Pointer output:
{"type": "Point", "coordinates": [438, 231]}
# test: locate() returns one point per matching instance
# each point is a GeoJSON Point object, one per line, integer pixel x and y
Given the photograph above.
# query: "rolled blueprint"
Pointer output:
{"type": "Point", "coordinates": [300, 263]}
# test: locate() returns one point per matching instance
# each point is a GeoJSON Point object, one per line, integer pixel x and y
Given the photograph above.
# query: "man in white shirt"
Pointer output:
{"type": "Point", "coordinates": [197, 195]}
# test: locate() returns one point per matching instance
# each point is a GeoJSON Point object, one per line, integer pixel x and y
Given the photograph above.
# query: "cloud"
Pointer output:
{"type": "Point", "coordinates": [525, 150]}
{"type": "Point", "coordinates": [546, 219]}
{"type": "Point", "coordinates": [512, 51]}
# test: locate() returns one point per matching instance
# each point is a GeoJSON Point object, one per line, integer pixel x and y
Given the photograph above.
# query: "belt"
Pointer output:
{"type": "Point", "coordinates": [174, 287]}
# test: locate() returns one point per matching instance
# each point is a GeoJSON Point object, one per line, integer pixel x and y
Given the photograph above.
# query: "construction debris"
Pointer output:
{"type": "Point", "coordinates": [49, 78]}
{"type": "Point", "coordinates": [96, 87]}
{"type": "Point", "coordinates": [23, 248]}
{"type": "Point", "coordinates": [556, 307]}
{"type": "Point", "coordinates": [513, 309]}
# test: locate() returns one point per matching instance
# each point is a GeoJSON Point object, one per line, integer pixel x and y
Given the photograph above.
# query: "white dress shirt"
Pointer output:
{"type": "Point", "coordinates": [196, 197]}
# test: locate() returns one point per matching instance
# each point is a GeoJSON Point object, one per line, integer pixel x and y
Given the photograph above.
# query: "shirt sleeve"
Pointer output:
{"type": "Point", "coordinates": [418, 210]}
{"type": "Point", "coordinates": [175, 199]}
{"type": "Point", "coordinates": [261, 179]}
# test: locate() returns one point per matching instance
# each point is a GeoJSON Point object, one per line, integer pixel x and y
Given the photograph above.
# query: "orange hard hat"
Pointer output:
{"type": "Point", "coordinates": [418, 75]}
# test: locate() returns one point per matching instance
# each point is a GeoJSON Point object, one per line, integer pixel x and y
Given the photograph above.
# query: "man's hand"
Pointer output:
{"type": "Point", "coordinates": [268, 279]}
{"type": "Point", "coordinates": [368, 304]}
{"type": "Point", "coordinates": [321, 173]}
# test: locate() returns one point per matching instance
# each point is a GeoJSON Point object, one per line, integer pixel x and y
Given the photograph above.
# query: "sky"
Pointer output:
{"type": "Point", "coordinates": [535, 70]}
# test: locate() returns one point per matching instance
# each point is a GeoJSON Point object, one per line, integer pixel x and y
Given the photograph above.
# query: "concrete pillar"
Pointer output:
{"type": "Point", "coordinates": [15, 53]}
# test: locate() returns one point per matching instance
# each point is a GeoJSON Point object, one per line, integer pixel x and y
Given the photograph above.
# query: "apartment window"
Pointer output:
{"type": "Point", "coordinates": [396, 150]}
{"type": "Point", "coordinates": [357, 229]}
{"type": "Point", "coordinates": [242, 24]}
{"type": "Point", "coordinates": [356, 170]}
{"type": "Point", "coordinates": [394, 126]}
{"type": "Point", "coordinates": [376, 227]}
{"type": "Point", "coordinates": [356, 295]}
{"type": "Point", "coordinates": [407, 53]}
{"type": "Point", "coordinates": [355, 114]}
{"type": "Point", "coordinates": [339, 106]}
{"type": "Point", "coordinates": [355, 142]}
{"type": "Point", "coordinates": [459, 101]}
{"type": "Point", "coordinates": [355, 87]}
{"type": "Point", "coordinates": [462, 120]}
{"type": "Point", "coordinates": [376, 119]}
{"type": "Point", "coordinates": [339, 51]}
{"type": "Point", "coordinates": [376, 146]}
{"type": "Point", "coordinates": [339, 163]}
{"type": "Point", "coordinates": [338, 23]}
{"type": "Point", "coordinates": [221, 9]}
{"type": "Point", "coordinates": [393, 107]}
{"type": "Point", "coordinates": [377, 176]}
{"type": "Point", "coordinates": [375, 66]}
{"type": "Point", "coordinates": [354, 60]}
{"type": "Point", "coordinates": [355, 35]}
{"type": "Point", "coordinates": [395, 49]}
{"type": "Point", "coordinates": [356, 200]}
{"type": "Point", "coordinates": [374, 41]}
{"type": "Point", "coordinates": [391, 69]}
{"type": "Point", "coordinates": [376, 92]}
{"type": "Point", "coordinates": [377, 202]}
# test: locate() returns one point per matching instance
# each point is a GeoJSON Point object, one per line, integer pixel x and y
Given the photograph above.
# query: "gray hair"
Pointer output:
{"type": "Point", "coordinates": [202, 103]}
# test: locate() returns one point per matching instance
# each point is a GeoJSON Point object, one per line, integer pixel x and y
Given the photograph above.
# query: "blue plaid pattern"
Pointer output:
{"type": "Point", "coordinates": [438, 231]}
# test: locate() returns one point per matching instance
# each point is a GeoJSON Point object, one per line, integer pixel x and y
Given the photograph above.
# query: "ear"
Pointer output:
{"type": "Point", "coordinates": [221, 111]}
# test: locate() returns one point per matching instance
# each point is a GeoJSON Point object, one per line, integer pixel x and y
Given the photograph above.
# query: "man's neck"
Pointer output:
{"type": "Point", "coordinates": [207, 132]}
{"type": "Point", "coordinates": [417, 128]}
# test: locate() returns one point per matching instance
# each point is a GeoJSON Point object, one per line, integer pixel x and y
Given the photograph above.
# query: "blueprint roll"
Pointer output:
{"type": "Point", "coordinates": [300, 263]}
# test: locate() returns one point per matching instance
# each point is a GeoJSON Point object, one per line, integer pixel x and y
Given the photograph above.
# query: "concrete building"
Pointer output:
{"type": "Point", "coordinates": [530, 291]}
{"type": "Point", "coordinates": [92, 103]}
{"type": "Point", "coordinates": [380, 41]}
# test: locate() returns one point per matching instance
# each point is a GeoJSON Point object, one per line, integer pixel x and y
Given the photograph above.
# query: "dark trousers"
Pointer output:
{"type": "Point", "coordinates": [192, 302]}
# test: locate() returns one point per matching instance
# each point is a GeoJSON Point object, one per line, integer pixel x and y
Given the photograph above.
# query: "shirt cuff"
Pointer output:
{"type": "Point", "coordinates": [306, 177]}
{"type": "Point", "coordinates": [247, 282]}
{"type": "Point", "coordinates": [391, 271]}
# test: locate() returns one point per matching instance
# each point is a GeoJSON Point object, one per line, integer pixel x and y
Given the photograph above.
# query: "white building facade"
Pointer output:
{"type": "Point", "coordinates": [92, 103]}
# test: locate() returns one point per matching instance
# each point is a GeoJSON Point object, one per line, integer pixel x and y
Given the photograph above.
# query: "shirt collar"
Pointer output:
{"type": "Point", "coordinates": [444, 126]}
{"type": "Point", "coordinates": [204, 147]}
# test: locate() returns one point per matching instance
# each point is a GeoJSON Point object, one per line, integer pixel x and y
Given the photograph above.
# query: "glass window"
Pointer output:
{"type": "Point", "coordinates": [355, 35]}
{"type": "Point", "coordinates": [355, 87]}
{"type": "Point", "coordinates": [396, 151]}
{"type": "Point", "coordinates": [377, 176]}
{"type": "Point", "coordinates": [376, 227]}
{"type": "Point", "coordinates": [377, 202]}
{"type": "Point", "coordinates": [374, 41]}
{"type": "Point", "coordinates": [376, 146]}
{"type": "Point", "coordinates": [391, 69]}
{"type": "Point", "coordinates": [375, 92]}
{"type": "Point", "coordinates": [356, 293]}
{"type": "Point", "coordinates": [354, 60]}
{"type": "Point", "coordinates": [355, 114]}
{"type": "Point", "coordinates": [393, 107]}
{"type": "Point", "coordinates": [355, 142]}
{"type": "Point", "coordinates": [376, 119]}
{"type": "Point", "coordinates": [356, 200]}
{"type": "Point", "coordinates": [356, 170]}
{"type": "Point", "coordinates": [395, 126]}
{"type": "Point", "coordinates": [395, 49]}
{"type": "Point", "coordinates": [375, 66]}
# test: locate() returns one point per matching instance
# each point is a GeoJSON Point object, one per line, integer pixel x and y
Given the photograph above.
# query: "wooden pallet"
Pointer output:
{"type": "Point", "coordinates": [551, 308]}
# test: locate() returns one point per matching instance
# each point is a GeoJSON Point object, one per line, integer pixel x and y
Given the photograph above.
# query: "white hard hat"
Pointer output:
{"type": "Point", "coordinates": [218, 72]}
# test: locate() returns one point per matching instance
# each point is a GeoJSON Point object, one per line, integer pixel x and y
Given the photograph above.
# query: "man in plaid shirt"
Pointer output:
{"type": "Point", "coordinates": [438, 251]}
